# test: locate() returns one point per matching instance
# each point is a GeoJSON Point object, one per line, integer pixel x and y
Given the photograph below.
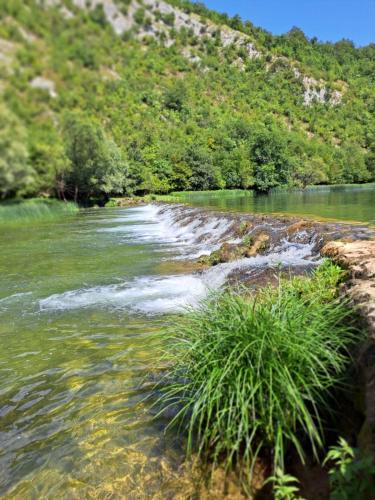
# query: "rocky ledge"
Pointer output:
{"type": "Point", "coordinates": [359, 258]}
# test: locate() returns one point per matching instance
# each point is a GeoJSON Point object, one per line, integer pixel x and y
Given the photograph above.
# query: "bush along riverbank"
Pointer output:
{"type": "Point", "coordinates": [34, 210]}
{"type": "Point", "coordinates": [259, 382]}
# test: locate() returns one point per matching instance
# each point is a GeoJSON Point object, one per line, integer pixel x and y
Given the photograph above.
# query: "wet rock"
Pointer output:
{"type": "Point", "coordinates": [227, 253]}
{"type": "Point", "coordinates": [299, 226]}
{"type": "Point", "coordinates": [259, 244]}
{"type": "Point", "coordinates": [243, 228]}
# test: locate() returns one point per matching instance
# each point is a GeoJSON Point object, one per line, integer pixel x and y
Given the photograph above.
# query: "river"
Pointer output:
{"type": "Point", "coordinates": [82, 300]}
{"type": "Point", "coordinates": [347, 202]}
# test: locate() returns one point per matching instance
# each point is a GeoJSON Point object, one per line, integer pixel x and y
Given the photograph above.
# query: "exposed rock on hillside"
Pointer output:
{"type": "Point", "coordinates": [7, 50]}
{"type": "Point", "coordinates": [158, 19]}
{"type": "Point", "coordinates": [44, 84]}
{"type": "Point", "coordinates": [317, 91]}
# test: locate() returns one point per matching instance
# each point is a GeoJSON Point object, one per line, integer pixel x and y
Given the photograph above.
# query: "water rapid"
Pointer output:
{"type": "Point", "coordinates": [186, 235]}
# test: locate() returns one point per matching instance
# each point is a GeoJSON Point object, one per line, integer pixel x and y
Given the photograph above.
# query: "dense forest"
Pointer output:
{"type": "Point", "coordinates": [93, 108]}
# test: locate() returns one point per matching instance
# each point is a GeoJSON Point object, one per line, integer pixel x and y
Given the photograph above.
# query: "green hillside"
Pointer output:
{"type": "Point", "coordinates": [119, 97]}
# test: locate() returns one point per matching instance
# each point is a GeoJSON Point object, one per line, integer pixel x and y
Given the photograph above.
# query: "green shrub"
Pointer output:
{"type": "Point", "coordinates": [285, 486]}
{"type": "Point", "coordinates": [352, 475]}
{"type": "Point", "coordinates": [252, 374]}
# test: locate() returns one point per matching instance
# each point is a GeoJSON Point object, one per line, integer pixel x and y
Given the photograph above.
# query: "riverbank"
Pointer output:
{"type": "Point", "coordinates": [34, 210]}
{"type": "Point", "coordinates": [255, 378]}
{"type": "Point", "coordinates": [243, 238]}
{"type": "Point", "coordinates": [358, 257]}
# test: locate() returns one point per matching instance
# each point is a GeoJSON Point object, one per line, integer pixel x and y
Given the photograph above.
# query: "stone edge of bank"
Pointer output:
{"type": "Point", "coordinates": [358, 257]}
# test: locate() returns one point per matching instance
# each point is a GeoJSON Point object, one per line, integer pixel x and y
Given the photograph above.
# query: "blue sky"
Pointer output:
{"type": "Point", "coordinates": [329, 20]}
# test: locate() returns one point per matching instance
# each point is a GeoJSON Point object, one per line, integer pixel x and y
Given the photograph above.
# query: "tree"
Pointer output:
{"type": "Point", "coordinates": [15, 170]}
{"type": "Point", "coordinates": [49, 161]}
{"type": "Point", "coordinates": [311, 171]}
{"type": "Point", "coordinates": [97, 165]}
{"type": "Point", "coordinates": [354, 166]}
{"type": "Point", "coordinates": [237, 168]}
{"type": "Point", "coordinates": [204, 174]}
{"type": "Point", "coordinates": [116, 179]}
{"type": "Point", "coordinates": [370, 160]}
{"type": "Point", "coordinates": [272, 161]}
{"type": "Point", "coordinates": [175, 96]}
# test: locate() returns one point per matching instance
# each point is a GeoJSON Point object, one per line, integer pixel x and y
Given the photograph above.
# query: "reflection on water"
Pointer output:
{"type": "Point", "coordinates": [350, 203]}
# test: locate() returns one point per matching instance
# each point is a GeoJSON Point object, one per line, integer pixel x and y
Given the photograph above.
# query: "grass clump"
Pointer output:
{"type": "Point", "coordinates": [34, 210]}
{"type": "Point", "coordinates": [252, 374]}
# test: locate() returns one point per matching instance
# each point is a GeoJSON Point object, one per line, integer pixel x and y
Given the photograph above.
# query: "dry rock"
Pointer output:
{"type": "Point", "coordinates": [44, 84]}
{"type": "Point", "coordinates": [359, 258]}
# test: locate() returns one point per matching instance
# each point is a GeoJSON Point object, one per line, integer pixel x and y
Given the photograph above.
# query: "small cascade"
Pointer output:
{"type": "Point", "coordinates": [187, 234]}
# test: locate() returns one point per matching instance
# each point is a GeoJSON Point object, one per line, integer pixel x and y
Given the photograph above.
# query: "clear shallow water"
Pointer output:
{"type": "Point", "coordinates": [346, 203]}
{"type": "Point", "coordinates": [73, 420]}
{"type": "Point", "coordinates": [81, 302]}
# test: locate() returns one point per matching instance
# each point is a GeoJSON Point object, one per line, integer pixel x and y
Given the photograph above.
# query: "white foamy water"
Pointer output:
{"type": "Point", "coordinates": [189, 236]}
{"type": "Point", "coordinates": [11, 300]}
{"type": "Point", "coordinates": [150, 295]}
{"type": "Point", "coordinates": [172, 294]}
{"type": "Point", "coordinates": [152, 224]}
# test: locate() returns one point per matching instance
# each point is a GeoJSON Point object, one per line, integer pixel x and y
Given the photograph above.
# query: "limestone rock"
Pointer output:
{"type": "Point", "coordinates": [44, 84]}
{"type": "Point", "coordinates": [260, 243]}
{"type": "Point", "coordinates": [359, 258]}
{"type": "Point", "coordinates": [298, 226]}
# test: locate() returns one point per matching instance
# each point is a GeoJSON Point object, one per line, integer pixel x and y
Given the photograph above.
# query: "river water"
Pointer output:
{"type": "Point", "coordinates": [346, 203]}
{"type": "Point", "coordinates": [82, 301]}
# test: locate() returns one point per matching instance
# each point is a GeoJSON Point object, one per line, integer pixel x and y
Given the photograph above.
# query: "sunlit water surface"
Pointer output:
{"type": "Point", "coordinates": [346, 203]}
{"type": "Point", "coordinates": [81, 301]}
